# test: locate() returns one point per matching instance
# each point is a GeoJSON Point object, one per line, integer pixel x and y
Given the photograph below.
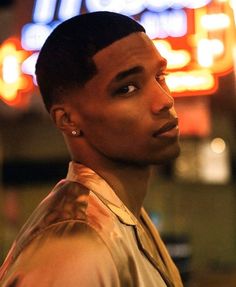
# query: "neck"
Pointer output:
{"type": "Point", "coordinates": [130, 183]}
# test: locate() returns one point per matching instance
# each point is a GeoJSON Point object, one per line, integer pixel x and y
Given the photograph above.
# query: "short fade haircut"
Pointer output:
{"type": "Point", "coordinates": [65, 60]}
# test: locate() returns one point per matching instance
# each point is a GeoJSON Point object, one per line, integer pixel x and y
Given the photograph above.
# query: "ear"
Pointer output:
{"type": "Point", "coordinates": [63, 119]}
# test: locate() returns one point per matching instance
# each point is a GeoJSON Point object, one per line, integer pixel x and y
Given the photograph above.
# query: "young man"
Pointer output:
{"type": "Point", "coordinates": [103, 83]}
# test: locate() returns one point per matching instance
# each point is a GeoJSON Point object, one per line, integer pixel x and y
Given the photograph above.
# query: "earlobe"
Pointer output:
{"type": "Point", "coordinates": [62, 119]}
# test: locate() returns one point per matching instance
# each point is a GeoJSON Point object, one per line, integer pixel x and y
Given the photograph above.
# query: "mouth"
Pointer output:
{"type": "Point", "coordinates": [168, 129]}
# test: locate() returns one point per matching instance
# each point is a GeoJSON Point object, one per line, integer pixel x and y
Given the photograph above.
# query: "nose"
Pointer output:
{"type": "Point", "coordinates": [161, 99]}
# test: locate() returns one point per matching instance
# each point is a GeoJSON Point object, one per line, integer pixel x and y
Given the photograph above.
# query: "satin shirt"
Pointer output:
{"type": "Point", "coordinates": [81, 234]}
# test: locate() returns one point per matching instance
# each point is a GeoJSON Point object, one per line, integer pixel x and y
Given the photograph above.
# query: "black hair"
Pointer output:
{"type": "Point", "coordinates": [65, 60]}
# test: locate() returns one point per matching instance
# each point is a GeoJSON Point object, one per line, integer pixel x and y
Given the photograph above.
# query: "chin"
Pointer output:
{"type": "Point", "coordinates": [166, 156]}
{"type": "Point", "coordinates": [170, 153]}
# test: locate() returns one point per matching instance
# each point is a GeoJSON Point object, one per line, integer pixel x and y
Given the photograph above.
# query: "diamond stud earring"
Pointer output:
{"type": "Point", "coordinates": [76, 133]}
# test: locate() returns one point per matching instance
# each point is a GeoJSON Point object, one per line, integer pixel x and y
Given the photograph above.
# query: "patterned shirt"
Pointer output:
{"type": "Point", "coordinates": [82, 234]}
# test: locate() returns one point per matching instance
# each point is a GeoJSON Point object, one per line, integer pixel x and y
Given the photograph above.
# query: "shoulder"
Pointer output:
{"type": "Point", "coordinates": [77, 259]}
{"type": "Point", "coordinates": [67, 201]}
{"type": "Point", "coordinates": [61, 236]}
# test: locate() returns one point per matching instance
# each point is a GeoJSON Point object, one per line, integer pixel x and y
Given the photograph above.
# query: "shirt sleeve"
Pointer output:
{"type": "Point", "coordinates": [80, 259]}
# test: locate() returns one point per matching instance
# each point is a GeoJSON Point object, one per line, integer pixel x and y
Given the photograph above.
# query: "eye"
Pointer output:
{"type": "Point", "coordinates": [126, 89]}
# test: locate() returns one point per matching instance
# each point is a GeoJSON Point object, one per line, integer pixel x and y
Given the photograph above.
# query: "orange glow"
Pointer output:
{"type": "Point", "coordinates": [208, 51]}
{"type": "Point", "coordinates": [13, 84]}
{"type": "Point", "coordinates": [177, 59]}
{"type": "Point", "coordinates": [188, 83]}
{"type": "Point", "coordinates": [197, 60]}
{"type": "Point", "coordinates": [222, 62]}
{"type": "Point", "coordinates": [194, 117]}
{"type": "Point", "coordinates": [212, 22]}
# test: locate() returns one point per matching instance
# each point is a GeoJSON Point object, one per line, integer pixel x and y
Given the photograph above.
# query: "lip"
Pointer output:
{"type": "Point", "coordinates": [168, 129]}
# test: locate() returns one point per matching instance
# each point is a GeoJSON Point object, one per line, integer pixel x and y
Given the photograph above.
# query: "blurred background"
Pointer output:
{"type": "Point", "coordinates": [192, 201]}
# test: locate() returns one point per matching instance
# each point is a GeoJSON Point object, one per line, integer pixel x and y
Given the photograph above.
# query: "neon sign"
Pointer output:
{"type": "Point", "coordinates": [176, 59]}
{"type": "Point", "coordinates": [194, 35]}
{"type": "Point", "coordinates": [13, 83]}
{"type": "Point", "coordinates": [197, 59]}
{"type": "Point", "coordinates": [133, 7]}
{"type": "Point", "coordinates": [170, 23]}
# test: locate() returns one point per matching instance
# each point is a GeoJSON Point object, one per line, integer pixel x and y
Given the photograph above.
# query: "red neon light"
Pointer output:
{"type": "Point", "coordinates": [222, 64]}
{"type": "Point", "coordinates": [186, 46]}
{"type": "Point", "coordinates": [14, 92]}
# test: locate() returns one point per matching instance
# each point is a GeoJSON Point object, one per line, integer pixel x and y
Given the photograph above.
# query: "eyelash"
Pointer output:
{"type": "Point", "coordinates": [123, 90]}
{"type": "Point", "coordinates": [161, 77]}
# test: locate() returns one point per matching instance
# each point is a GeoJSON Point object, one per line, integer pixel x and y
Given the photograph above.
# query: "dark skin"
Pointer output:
{"type": "Point", "coordinates": [126, 117]}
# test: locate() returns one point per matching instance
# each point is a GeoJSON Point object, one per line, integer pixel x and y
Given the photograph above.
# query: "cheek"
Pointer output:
{"type": "Point", "coordinates": [103, 116]}
{"type": "Point", "coordinates": [112, 127]}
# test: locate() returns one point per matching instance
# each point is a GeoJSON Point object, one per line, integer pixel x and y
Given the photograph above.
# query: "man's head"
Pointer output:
{"type": "Point", "coordinates": [65, 61]}
{"type": "Point", "coordinates": [103, 82]}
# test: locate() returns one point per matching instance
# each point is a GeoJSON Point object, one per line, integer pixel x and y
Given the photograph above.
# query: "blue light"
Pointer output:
{"type": "Point", "coordinates": [105, 5]}
{"type": "Point", "coordinates": [69, 8]}
{"type": "Point", "coordinates": [28, 66]}
{"type": "Point", "coordinates": [158, 6]}
{"type": "Point", "coordinates": [151, 23]}
{"type": "Point", "coordinates": [161, 5]}
{"type": "Point", "coordinates": [133, 7]}
{"type": "Point", "coordinates": [54, 24]}
{"type": "Point", "coordinates": [161, 25]}
{"type": "Point", "coordinates": [177, 23]}
{"type": "Point", "coordinates": [194, 4]}
{"type": "Point", "coordinates": [34, 35]}
{"type": "Point", "coordinates": [44, 11]}
{"type": "Point", "coordinates": [164, 23]}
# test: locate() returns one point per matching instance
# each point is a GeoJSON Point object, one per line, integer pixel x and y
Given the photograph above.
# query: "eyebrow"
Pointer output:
{"type": "Point", "coordinates": [136, 70]}
{"type": "Point", "coordinates": [126, 73]}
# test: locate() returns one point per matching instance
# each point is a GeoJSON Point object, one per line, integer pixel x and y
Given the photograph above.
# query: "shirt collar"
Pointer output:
{"type": "Point", "coordinates": [90, 179]}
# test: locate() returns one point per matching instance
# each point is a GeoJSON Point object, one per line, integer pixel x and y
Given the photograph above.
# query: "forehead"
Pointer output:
{"type": "Point", "coordinates": [134, 50]}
